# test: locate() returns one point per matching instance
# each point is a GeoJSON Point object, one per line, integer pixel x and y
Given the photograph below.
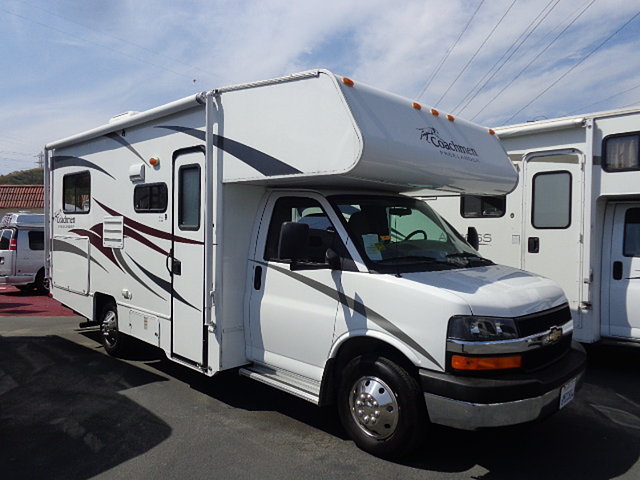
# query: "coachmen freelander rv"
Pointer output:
{"type": "Point", "coordinates": [262, 227]}
{"type": "Point", "coordinates": [574, 217]}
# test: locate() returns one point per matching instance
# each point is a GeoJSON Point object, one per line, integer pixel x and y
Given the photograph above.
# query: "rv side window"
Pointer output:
{"type": "Point", "coordinates": [150, 198]}
{"type": "Point", "coordinates": [36, 240]}
{"type": "Point", "coordinates": [189, 197]}
{"type": "Point", "coordinates": [5, 238]}
{"type": "Point", "coordinates": [621, 153]}
{"type": "Point", "coordinates": [551, 200]}
{"type": "Point", "coordinates": [322, 234]}
{"type": "Point", "coordinates": [632, 233]}
{"type": "Point", "coordinates": [76, 192]}
{"type": "Point", "coordinates": [473, 206]}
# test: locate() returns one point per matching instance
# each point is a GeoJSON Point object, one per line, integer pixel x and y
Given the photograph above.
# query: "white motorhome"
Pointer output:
{"type": "Point", "coordinates": [22, 251]}
{"type": "Point", "coordinates": [574, 217]}
{"type": "Point", "coordinates": [262, 227]}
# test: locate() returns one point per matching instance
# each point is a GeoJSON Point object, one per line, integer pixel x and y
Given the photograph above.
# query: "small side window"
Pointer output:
{"type": "Point", "coordinates": [76, 193]}
{"type": "Point", "coordinates": [5, 239]}
{"type": "Point", "coordinates": [36, 240]}
{"type": "Point", "coordinates": [632, 233]}
{"type": "Point", "coordinates": [189, 197]}
{"type": "Point", "coordinates": [150, 198]}
{"type": "Point", "coordinates": [551, 200]}
{"type": "Point", "coordinates": [621, 153]}
{"type": "Point", "coordinates": [474, 206]}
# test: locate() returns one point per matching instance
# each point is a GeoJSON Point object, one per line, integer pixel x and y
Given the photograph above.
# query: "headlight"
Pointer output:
{"type": "Point", "coordinates": [481, 329]}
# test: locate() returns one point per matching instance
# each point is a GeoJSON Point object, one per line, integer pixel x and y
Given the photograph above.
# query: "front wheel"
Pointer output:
{"type": "Point", "coordinates": [112, 339]}
{"type": "Point", "coordinates": [381, 406]}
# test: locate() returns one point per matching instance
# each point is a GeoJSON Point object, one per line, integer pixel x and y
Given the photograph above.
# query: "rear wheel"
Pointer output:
{"type": "Point", "coordinates": [381, 406]}
{"type": "Point", "coordinates": [112, 339]}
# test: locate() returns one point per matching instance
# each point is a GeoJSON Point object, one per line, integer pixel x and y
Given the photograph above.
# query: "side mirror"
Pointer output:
{"type": "Point", "coordinates": [472, 237]}
{"type": "Point", "coordinates": [293, 240]}
{"type": "Point", "coordinates": [332, 259]}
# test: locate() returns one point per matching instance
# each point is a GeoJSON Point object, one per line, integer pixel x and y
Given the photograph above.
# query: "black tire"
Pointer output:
{"type": "Point", "coordinates": [387, 390]}
{"type": "Point", "coordinates": [40, 283]}
{"type": "Point", "coordinates": [25, 288]}
{"type": "Point", "coordinates": [113, 341]}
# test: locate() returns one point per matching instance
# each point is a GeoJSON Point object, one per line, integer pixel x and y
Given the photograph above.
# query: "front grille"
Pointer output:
{"type": "Point", "coordinates": [543, 356]}
{"type": "Point", "coordinates": [542, 321]}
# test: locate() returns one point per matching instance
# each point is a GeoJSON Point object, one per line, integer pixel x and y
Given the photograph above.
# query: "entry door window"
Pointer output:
{"type": "Point", "coordinates": [632, 233]}
{"type": "Point", "coordinates": [551, 200]}
{"type": "Point", "coordinates": [189, 197]}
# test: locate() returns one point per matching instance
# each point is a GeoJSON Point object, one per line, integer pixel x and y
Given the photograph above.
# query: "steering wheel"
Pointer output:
{"type": "Point", "coordinates": [415, 232]}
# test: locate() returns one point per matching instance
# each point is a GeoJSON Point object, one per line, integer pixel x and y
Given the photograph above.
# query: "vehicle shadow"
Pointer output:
{"type": "Point", "coordinates": [62, 413]}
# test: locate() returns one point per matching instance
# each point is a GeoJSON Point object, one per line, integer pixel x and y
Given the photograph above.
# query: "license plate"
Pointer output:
{"type": "Point", "coordinates": [567, 393]}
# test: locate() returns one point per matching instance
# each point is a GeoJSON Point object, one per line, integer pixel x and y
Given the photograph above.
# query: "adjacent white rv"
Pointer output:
{"type": "Point", "coordinates": [262, 227]}
{"type": "Point", "coordinates": [574, 217]}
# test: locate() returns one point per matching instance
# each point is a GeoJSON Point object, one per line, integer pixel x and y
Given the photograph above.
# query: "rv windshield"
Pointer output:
{"type": "Point", "coordinates": [401, 234]}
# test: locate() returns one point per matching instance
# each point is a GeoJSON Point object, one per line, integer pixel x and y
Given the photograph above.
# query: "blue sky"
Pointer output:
{"type": "Point", "coordinates": [69, 65]}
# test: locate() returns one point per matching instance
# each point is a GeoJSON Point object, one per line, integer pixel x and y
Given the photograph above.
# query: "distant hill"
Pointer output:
{"type": "Point", "coordinates": [35, 176]}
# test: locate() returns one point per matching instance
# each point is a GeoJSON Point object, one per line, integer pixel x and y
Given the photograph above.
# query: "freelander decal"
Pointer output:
{"type": "Point", "coordinates": [448, 147]}
{"type": "Point", "coordinates": [262, 162]}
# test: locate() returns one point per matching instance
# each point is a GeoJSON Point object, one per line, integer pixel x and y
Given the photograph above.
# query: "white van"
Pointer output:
{"type": "Point", "coordinates": [263, 227]}
{"type": "Point", "coordinates": [22, 251]}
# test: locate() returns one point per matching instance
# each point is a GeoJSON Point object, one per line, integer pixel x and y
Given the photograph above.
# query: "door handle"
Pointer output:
{"type": "Point", "coordinates": [617, 270]}
{"type": "Point", "coordinates": [533, 244]}
{"type": "Point", "coordinates": [257, 278]}
{"type": "Point", "coordinates": [176, 267]}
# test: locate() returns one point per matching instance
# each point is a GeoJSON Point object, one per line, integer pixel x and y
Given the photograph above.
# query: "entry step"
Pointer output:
{"type": "Point", "coordinates": [289, 382]}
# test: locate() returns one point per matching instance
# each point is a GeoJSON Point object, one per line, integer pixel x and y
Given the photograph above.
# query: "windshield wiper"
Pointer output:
{"type": "Point", "coordinates": [470, 256]}
{"type": "Point", "coordinates": [418, 258]}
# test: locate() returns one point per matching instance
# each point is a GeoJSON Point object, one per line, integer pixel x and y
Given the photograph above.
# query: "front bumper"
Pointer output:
{"type": "Point", "coordinates": [471, 402]}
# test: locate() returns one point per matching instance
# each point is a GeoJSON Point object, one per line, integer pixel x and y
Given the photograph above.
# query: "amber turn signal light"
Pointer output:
{"type": "Point", "coordinates": [458, 362]}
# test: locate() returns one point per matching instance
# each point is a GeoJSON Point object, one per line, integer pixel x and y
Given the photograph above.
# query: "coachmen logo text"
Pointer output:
{"type": "Point", "coordinates": [63, 221]}
{"type": "Point", "coordinates": [449, 148]}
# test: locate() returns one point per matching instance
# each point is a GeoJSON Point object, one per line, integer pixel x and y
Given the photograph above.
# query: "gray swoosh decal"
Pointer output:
{"type": "Point", "coordinates": [162, 283]}
{"type": "Point", "coordinates": [356, 306]}
{"type": "Point", "coordinates": [62, 246]}
{"type": "Point", "coordinates": [120, 258]}
{"type": "Point", "coordinates": [262, 162]}
{"type": "Point", "coordinates": [124, 143]}
{"type": "Point", "coordinates": [60, 161]}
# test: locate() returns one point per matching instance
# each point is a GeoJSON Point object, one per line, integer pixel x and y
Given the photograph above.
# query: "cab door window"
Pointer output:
{"type": "Point", "coordinates": [322, 234]}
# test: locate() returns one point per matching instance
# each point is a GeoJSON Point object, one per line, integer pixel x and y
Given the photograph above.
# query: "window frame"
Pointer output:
{"type": "Point", "coordinates": [603, 162]}
{"type": "Point", "coordinates": [181, 225]}
{"type": "Point", "coordinates": [67, 177]}
{"type": "Point", "coordinates": [482, 199]}
{"type": "Point", "coordinates": [149, 186]}
{"type": "Point", "coordinates": [624, 234]}
{"type": "Point", "coordinates": [533, 199]}
{"type": "Point", "coordinates": [31, 233]}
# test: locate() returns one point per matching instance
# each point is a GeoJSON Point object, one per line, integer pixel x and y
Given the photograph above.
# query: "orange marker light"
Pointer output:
{"type": "Point", "coordinates": [491, 131]}
{"type": "Point", "coordinates": [435, 112]}
{"type": "Point", "coordinates": [153, 161]}
{"type": "Point", "coordinates": [347, 81]}
{"type": "Point", "coordinates": [451, 118]}
{"type": "Point", "coordinates": [459, 362]}
{"type": "Point", "coordinates": [416, 105]}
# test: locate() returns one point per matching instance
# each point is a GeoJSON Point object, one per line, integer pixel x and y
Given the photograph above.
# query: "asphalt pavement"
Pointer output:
{"type": "Point", "coordinates": [69, 411]}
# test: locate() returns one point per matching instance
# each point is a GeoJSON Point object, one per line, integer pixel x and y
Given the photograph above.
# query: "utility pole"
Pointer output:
{"type": "Point", "coordinates": [40, 160]}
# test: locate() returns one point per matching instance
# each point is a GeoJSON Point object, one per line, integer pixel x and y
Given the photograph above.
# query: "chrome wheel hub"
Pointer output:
{"type": "Point", "coordinates": [374, 407]}
{"type": "Point", "coordinates": [109, 328]}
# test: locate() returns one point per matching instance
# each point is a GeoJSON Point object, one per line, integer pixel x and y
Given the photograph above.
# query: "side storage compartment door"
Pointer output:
{"type": "Point", "coordinates": [71, 256]}
{"type": "Point", "coordinates": [187, 256]}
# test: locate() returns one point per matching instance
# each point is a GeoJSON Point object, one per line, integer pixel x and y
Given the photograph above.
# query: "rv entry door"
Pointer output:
{"type": "Point", "coordinates": [621, 273]}
{"type": "Point", "coordinates": [552, 220]}
{"type": "Point", "coordinates": [186, 259]}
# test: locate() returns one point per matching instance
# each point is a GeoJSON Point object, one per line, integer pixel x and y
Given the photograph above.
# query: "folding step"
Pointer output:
{"type": "Point", "coordinates": [289, 382]}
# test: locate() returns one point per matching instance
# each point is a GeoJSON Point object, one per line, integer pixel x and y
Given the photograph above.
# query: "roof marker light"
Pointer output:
{"type": "Point", "coordinates": [416, 105]}
{"type": "Point", "coordinates": [347, 81]}
{"type": "Point", "coordinates": [491, 131]}
{"type": "Point", "coordinates": [435, 112]}
{"type": "Point", "coordinates": [451, 118]}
